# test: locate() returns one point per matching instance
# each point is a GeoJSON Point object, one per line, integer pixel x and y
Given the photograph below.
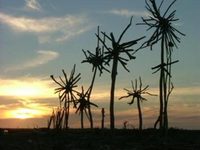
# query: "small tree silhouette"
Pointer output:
{"type": "Point", "coordinates": [56, 119]}
{"type": "Point", "coordinates": [97, 60]}
{"type": "Point", "coordinates": [137, 93]}
{"type": "Point", "coordinates": [116, 55]}
{"type": "Point", "coordinates": [83, 104]}
{"type": "Point", "coordinates": [66, 92]}
{"type": "Point", "coordinates": [167, 34]}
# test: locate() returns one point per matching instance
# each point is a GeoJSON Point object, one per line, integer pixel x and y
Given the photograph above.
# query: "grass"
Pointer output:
{"type": "Point", "coordinates": [118, 139]}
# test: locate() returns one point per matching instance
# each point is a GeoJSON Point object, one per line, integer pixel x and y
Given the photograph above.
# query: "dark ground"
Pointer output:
{"type": "Point", "coordinates": [97, 139]}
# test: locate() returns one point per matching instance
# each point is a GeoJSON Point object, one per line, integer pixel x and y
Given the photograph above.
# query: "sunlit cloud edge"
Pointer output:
{"type": "Point", "coordinates": [60, 28]}
{"type": "Point", "coordinates": [33, 5]}
{"type": "Point", "coordinates": [127, 13]}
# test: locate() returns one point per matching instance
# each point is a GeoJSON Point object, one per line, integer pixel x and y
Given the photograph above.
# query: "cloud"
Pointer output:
{"type": "Point", "coordinates": [33, 5]}
{"type": "Point", "coordinates": [127, 13]}
{"type": "Point", "coordinates": [69, 34]}
{"type": "Point", "coordinates": [62, 28]}
{"type": "Point", "coordinates": [7, 100]}
{"type": "Point", "coordinates": [18, 90]}
{"type": "Point", "coordinates": [43, 57]}
{"type": "Point", "coordinates": [194, 90]}
{"type": "Point", "coordinates": [49, 24]}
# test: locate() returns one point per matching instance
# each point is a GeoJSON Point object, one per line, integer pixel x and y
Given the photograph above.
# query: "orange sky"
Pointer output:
{"type": "Point", "coordinates": [39, 38]}
{"type": "Point", "coordinates": [32, 98]}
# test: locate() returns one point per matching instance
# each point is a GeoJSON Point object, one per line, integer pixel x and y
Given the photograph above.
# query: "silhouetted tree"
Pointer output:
{"type": "Point", "coordinates": [116, 54]}
{"type": "Point", "coordinates": [56, 119]}
{"type": "Point", "coordinates": [83, 105]}
{"type": "Point", "coordinates": [167, 34]}
{"type": "Point", "coordinates": [137, 93]}
{"type": "Point", "coordinates": [51, 120]}
{"type": "Point", "coordinates": [66, 92]}
{"type": "Point", "coordinates": [97, 61]}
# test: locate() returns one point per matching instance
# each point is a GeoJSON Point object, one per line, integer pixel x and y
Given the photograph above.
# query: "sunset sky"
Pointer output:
{"type": "Point", "coordinates": [39, 38]}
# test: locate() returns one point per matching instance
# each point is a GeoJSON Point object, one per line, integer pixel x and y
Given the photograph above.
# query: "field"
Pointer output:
{"type": "Point", "coordinates": [97, 139]}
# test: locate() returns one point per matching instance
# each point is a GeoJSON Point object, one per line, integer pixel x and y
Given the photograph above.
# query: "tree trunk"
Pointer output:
{"type": "Point", "coordinates": [82, 125]}
{"type": "Point", "coordinates": [139, 114]}
{"type": "Point", "coordinates": [103, 116]}
{"type": "Point", "coordinates": [165, 111]}
{"type": "Point", "coordinates": [67, 116]}
{"type": "Point", "coordinates": [89, 108]}
{"type": "Point", "coordinates": [161, 81]}
{"type": "Point", "coordinates": [165, 118]}
{"type": "Point", "coordinates": [112, 93]}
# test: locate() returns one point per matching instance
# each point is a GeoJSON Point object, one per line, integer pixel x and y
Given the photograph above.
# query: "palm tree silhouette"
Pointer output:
{"type": "Point", "coordinates": [66, 91]}
{"type": "Point", "coordinates": [137, 93]}
{"type": "Point", "coordinates": [83, 104]}
{"type": "Point", "coordinates": [97, 60]}
{"type": "Point", "coordinates": [167, 34]}
{"type": "Point", "coordinates": [116, 54]}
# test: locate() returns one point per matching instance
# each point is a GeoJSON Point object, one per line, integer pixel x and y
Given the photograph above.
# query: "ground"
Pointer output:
{"type": "Point", "coordinates": [97, 139]}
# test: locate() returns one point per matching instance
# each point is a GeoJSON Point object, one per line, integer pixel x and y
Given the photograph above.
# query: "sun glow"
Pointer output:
{"type": "Point", "coordinates": [25, 113]}
{"type": "Point", "coordinates": [25, 91]}
{"type": "Point", "coordinates": [25, 88]}
{"type": "Point", "coordinates": [26, 94]}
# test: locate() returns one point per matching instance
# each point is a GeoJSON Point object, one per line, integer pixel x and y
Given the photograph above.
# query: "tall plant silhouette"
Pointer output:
{"type": "Point", "coordinates": [137, 92]}
{"type": "Point", "coordinates": [56, 119]}
{"type": "Point", "coordinates": [83, 105]}
{"type": "Point", "coordinates": [66, 92]}
{"type": "Point", "coordinates": [166, 33]}
{"type": "Point", "coordinates": [97, 60]}
{"type": "Point", "coordinates": [116, 55]}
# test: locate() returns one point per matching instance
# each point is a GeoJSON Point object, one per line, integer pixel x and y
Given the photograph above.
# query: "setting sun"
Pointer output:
{"type": "Point", "coordinates": [24, 113]}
